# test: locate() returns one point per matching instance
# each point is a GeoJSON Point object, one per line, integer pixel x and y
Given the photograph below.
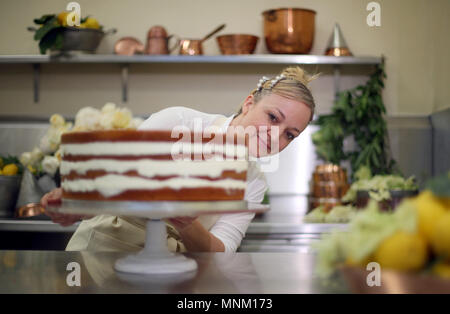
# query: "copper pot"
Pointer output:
{"type": "Point", "coordinates": [191, 47]}
{"type": "Point", "coordinates": [237, 44]}
{"type": "Point", "coordinates": [329, 184]}
{"type": "Point", "coordinates": [289, 30]}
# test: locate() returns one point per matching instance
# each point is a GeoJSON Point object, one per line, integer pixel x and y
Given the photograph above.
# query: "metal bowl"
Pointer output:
{"type": "Point", "coordinates": [9, 190]}
{"type": "Point", "coordinates": [82, 39]}
{"type": "Point", "coordinates": [363, 197]}
{"type": "Point", "coordinates": [237, 44]}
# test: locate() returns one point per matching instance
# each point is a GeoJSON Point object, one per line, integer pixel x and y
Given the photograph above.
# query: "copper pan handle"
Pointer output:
{"type": "Point", "coordinates": [218, 29]}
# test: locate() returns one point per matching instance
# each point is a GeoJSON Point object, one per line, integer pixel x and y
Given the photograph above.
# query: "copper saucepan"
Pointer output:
{"type": "Point", "coordinates": [193, 47]}
{"type": "Point", "coordinates": [289, 30]}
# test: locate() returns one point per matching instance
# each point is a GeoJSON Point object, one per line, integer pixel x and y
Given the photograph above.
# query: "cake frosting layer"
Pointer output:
{"type": "Point", "coordinates": [150, 168]}
{"type": "Point", "coordinates": [113, 184]}
{"type": "Point", "coordinates": [164, 194]}
{"type": "Point", "coordinates": [152, 148]}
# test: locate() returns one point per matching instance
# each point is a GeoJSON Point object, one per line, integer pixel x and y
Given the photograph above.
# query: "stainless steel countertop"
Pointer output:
{"type": "Point", "coordinates": [284, 217]}
{"type": "Point", "coordinates": [22, 225]}
{"type": "Point", "coordinates": [45, 272]}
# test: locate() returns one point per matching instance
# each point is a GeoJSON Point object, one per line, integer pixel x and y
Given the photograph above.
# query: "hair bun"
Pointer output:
{"type": "Point", "coordinates": [298, 74]}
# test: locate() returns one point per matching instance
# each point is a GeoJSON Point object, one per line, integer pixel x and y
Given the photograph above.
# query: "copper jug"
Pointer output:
{"type": "Point", "coordinates": [158, 41]}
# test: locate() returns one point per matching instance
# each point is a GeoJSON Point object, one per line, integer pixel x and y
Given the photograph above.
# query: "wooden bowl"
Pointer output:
{"type": "Point", "coordinates": [237, 44]}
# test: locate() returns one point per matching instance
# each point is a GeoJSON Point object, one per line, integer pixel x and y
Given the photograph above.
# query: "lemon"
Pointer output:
{"type": "Point", "coordinates": [10, 170]}
{"type": "Point", "coordinates": [351, 262]}
{"type": "Point", "coordinates": [429, 210]}
{"type": "Point", "coordinates": [445, 202]}
{"type": "Point", "coordinates": [62, 18]}
{"type": "Point", "coordinates": [442, 269]}
{"type": "Point", "coordinates": [1, 172]}
{"type": "Point", "coordinates": [440, 238]}
{"type": "Point", "coordinates": [91, 23]}
{"type": "Point", "coordinates": [402, 251]}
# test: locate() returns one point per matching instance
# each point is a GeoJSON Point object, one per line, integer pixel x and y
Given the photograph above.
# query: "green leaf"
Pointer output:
{"type": "Point", "coordinates": [53, 39]}
{"type": "Point", "coordinates": [48, 26]}
{"type": "Point", "coordinates": [44, 19]}
{"type": "Point", "coordinates": [440, 185]}
{"type": "Point", "coordinates": [84, 19]}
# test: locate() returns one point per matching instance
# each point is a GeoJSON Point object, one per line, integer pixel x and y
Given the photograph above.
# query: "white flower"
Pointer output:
{"type": "Point", "coordinates": [50, 164]}
{"type": "Point", "coordinates": [106, 120]}
{"type": "Point", "coordinates": [44, 145]}
{"type": "Point", "coordinates": [58, 154]}
{"type": "Point", "coordinates": [122, 118]}
{"type": "Point", "coordinates": [25, 159]}
{"type": "Point", "coordinates": [57, 120]}
{"type": "Point", "coordinates": [87, 118]}
{"type": "Point", "coordinates": [36, 156]}
{"type": "Point", "coordinates": [109, 108]}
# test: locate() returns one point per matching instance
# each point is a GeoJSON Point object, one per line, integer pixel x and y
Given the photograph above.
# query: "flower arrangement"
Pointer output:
{"type": "Point", "coordinates": [45, 159]}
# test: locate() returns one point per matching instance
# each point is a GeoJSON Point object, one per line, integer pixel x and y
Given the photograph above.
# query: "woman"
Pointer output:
{"type": "Point", "coordinates": [284, 102]}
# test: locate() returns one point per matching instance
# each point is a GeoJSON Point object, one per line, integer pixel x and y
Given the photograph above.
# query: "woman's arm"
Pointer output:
{"type": "Point", "coordinates": [195, 237]}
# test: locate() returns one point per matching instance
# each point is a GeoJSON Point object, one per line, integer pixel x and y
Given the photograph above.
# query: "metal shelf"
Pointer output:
{"type": "Point", "coordinates": [233, 59]}
{"type": "Point", "coordinates": [125, 61]}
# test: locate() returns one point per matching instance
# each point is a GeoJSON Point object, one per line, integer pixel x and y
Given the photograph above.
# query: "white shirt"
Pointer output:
{"type": "Point", "coordinates": [229, 228]}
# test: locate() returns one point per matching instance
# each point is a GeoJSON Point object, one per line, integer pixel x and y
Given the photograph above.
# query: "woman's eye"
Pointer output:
{"type": "Point", "coordinates": [290, 136]}
{"type": "Point", "coordinates": [272, 117]}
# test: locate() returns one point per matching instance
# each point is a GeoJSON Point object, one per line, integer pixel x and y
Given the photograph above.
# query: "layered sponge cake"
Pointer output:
{"type": "Point", "coordinates": [130, 165]}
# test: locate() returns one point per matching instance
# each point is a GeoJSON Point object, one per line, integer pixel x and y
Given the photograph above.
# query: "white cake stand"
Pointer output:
{"type": "Point", "coordinates": [155, 258]}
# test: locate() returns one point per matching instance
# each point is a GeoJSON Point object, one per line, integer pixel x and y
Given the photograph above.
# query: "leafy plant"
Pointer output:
{"type": "Point", "coordinates": [50, 33]}
{"type": "Point", "coordinates": [359, 114]}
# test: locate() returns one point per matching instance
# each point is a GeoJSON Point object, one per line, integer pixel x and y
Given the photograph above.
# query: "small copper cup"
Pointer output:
{"type": "Point", "coordinates": [191, 47]}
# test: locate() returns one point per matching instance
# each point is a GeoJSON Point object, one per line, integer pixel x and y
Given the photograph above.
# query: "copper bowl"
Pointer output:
{"type": "Point", "coordinates": [237, 44]}
{"type": "Point", "coordinates": [289, 30]}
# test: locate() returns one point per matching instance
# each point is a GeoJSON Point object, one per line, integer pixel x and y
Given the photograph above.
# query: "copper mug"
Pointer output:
{"type": "Point", "coordinates": [191, 47]}
{"type": "Point", "coordinates": [158, 41]}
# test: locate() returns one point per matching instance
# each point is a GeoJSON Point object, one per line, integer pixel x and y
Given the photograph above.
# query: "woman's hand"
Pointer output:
{"type": "Point", "coordinates": [180, 223]}
{"type": "Point", "coordinates": [63, 219]}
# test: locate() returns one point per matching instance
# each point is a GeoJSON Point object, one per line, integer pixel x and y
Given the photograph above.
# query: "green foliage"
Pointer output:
{"type": "Point", "coordinates": [440, 185]}
{"type": "Point", "coordinates": [49, 34]}
{"type": "Point", "coordinates": [357, 113]}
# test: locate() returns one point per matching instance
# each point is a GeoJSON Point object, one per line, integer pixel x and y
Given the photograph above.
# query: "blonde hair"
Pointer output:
{"type": "Point", "coordinates": [293, 85]}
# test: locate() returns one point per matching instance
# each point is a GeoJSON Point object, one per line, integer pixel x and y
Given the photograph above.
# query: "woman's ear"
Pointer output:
{"type": "Point", "coordinates": [248, 102]}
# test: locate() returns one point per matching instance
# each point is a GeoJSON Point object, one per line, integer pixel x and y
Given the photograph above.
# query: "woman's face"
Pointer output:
{"type": "Point", "coordinates": [273, 112]}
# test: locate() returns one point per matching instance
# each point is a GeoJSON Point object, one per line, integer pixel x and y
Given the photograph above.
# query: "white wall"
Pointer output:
{"type": "Point", "coordinates": [413, 37]}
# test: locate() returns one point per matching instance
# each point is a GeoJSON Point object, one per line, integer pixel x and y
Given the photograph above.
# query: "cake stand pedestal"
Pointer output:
{"type": "Point", "coordinates": [155, 258]}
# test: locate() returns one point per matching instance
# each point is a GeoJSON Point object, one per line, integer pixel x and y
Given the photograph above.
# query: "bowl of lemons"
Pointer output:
{"type": "Point", "coordinates": [10, 178]}
{"type": "Point", "coordinates": [65, 32]}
